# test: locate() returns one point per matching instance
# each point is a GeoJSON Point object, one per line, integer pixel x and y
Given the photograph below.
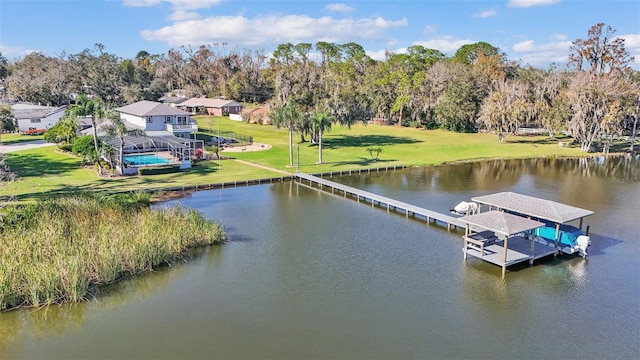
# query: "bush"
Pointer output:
{"type": "Point", "coordinates": [84, 146]}
{"type": "Point", "coordinates": [65, 146]}
{"type": "Point", "coordinates": [155, 170]}
{"type": "Point", "coordinates": [63, 131]}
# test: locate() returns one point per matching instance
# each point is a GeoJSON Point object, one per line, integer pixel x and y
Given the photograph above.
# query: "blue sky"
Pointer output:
{"type": "Point", "coordinates": [536, 32]}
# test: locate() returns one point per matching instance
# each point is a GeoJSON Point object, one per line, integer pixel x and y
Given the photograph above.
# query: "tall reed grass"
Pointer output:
{"type": "Point", "coordinates": [60, 249]}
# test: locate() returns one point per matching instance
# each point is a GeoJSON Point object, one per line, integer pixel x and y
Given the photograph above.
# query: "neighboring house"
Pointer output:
{"type": "Point", "coordinates": [30, 117]}
{"type": "Point", "coordinates": [219, 107]}
{"type": "Point", "coordinates": [173, 101]}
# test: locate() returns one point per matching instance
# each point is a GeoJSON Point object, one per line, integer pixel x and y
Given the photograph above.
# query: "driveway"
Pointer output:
{"type": "Point", "coordinates": [4, 148]}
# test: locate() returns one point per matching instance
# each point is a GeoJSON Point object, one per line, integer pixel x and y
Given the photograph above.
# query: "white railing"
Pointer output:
{"type": "Point", "coordinates": [193, 127]}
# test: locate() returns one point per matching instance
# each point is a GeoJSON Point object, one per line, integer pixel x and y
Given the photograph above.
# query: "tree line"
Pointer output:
{"type": "Point", "coordinates": [595, 96]}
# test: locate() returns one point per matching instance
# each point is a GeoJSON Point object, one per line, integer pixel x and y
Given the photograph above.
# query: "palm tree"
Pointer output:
{"type": "Point", "coordinates": [95, 108]}
{"type": "Point", "coordinates": [321, 122]}
{"type": "Point", "coordinates": [287, 116]}
{"type": "Point", "coordinates": [117, 128]}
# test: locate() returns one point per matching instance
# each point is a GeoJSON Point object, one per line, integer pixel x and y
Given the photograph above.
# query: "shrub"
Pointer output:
{"type": "Point", "coordinates": [154, 170]}
{"type": "Point", "coordinates": [84, 146]}
{"type": "Point", "coordinates": [65, 146]}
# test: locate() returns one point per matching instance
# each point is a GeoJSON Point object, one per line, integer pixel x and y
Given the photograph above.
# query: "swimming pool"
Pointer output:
{"type": "Point", "coordinates": [145, 159]}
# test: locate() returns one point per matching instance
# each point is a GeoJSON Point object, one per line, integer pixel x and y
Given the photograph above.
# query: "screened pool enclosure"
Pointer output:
{"type": "Point", "coordinates": [151, 150]}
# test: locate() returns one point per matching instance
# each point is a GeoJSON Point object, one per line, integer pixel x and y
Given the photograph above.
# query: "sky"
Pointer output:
{"type": "Point", "coordinates": [533, 32]}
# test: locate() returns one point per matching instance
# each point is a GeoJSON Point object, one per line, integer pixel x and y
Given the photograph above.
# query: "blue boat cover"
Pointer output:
{"type": "Point", "coordinates": [568, 234]}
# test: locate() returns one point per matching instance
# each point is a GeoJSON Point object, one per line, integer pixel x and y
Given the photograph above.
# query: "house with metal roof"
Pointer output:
{"type": "Point", "coordinates": [219, 107]}
{"type": "Point", "coordinates": [31, 117]}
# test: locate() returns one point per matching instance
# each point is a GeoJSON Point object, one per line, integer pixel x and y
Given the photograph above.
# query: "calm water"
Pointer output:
{"type": "Point", "coordinates": [312, 275]}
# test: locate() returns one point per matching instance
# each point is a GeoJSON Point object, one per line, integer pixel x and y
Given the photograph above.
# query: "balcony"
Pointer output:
{"type": "Point", "coordinates": [174, 128]}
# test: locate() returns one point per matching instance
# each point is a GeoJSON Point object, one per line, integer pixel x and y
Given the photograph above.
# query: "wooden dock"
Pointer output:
{"type": "Point", "coordinates": [375, 199]}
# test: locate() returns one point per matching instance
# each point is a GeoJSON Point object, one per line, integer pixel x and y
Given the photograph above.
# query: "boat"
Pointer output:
{"type": "Point", "coordinates": [465, 208]}
{"type": "Point", "coordinates": [571, 239]}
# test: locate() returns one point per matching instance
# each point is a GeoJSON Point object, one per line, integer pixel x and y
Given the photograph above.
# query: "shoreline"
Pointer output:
{"type": "Point", "coordinates": [167, 194]}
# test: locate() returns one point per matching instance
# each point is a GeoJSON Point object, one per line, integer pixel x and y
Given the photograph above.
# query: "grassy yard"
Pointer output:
{"type": "Point", "coordinates": [45, 170]}
{"type": "Point", "coordinates": [346, 148]}
{"type": "Point", "coordinates": [8, 139]}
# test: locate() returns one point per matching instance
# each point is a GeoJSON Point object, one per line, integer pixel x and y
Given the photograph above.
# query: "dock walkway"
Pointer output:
{"type": "Point", "coordinates": [375, 199]}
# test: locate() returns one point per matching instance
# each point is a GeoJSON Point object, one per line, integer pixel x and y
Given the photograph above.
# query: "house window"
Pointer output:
{"type": "Point", "coordinates": [149, 119]}
{"type": "Point", "coordinates": [36, 121]}
{"type": "Point", "coordinates": [167, 119]}
{"type": "Point", "coordinates": [182, 120]}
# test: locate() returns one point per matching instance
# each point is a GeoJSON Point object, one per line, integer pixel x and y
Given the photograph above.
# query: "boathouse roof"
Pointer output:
{"type": "Point", "coordinates": [532, 206]}
{"type": "Point", "coordinates": [501, 222]}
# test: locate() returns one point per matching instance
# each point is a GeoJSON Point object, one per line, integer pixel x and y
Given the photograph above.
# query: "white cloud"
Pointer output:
{"type": "Point", "coordinates": [269, 30]}
{"type": "Point", "coordinates": [448, 45]}
{"type": "Point", "coordinates": [541, 55]}
{"type": "Point", "coordinates": [558, 51]}
{"type": "Point", "coordinates": [530, 3]}
{"type": "Point", "coordinates": [392, 42]}
{"type": "Point", "coordinates": [559, 37]}
{"type": "Point", "coordinates": [339, 7]}
{"type": "Point", "coordinates": [632, 43]}
{"type": "Point", "coordinates": [486, 14]}
{"type": "Point", "coordinates": [181, 15]}
{"type": "Point", "coordinates": [140, 3]}
{"type": "Point", "coordinates": [12, 51]}
{"type": "Point", "coordinates": [524, 46]}
{"type": "Point", "coordinates": [379, 55]}
{"type": "Point", "coordinates": [429, 29]}
{"type": "Point", "coordinates": [177, 4]}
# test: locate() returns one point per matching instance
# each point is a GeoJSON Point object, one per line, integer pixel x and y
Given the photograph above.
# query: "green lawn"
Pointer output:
{"type": "Point", "coordinates": [346, 148]}
{"type": "Point", "coordinates": [46, 170]}
{"type": "Point", "coordinates": [8, 139]}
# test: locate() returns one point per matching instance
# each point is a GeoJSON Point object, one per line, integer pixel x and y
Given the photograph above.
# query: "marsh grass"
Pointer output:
{"type": "Point", "coordinates": [62, 248]}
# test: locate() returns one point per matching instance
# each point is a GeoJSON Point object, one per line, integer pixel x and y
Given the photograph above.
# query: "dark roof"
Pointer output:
{"type": "Point", "coordinates": [25, 111]}
{"type": "Point", "coordinates": [173, 99]}
{"type": "Point", "coordinates": [87, 126]}
{"type": "Point", "coordinates": [150, 108]}
{"type": "Point", "coordinates": [501, 222]}
{"type": "Point", "coordinates": [532, 206]}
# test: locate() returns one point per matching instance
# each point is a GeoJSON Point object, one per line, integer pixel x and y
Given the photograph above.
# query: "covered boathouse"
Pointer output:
{"type": "Point", "coordinates": [506, 236]}
{"type": "Point", "coordinates": [553, 214]}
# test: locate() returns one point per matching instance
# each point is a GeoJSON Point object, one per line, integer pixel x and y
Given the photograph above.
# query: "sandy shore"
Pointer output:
{"type": "Point", "coordinates": [253, 147]}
